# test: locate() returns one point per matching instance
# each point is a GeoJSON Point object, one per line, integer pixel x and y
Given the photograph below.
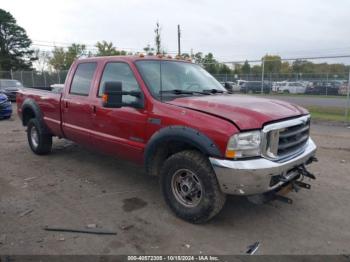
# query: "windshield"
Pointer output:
{"type": "Point", "coordinates": [184, 78]}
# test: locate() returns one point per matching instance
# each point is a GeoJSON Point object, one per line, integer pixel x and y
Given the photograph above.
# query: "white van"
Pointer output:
{"type": "Point", "coordinates": [291, 87]}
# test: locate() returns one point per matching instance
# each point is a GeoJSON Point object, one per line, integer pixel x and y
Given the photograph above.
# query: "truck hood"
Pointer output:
{"type": "Point", "coordinates": [247, 112]}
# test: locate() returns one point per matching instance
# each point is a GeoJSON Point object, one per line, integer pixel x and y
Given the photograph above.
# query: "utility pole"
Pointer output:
{"type": "Point", "coordinates": [178, 40]}
{"type": "Point", "coordinates": [347, 101]}
{"type": "Point", "coordinates": [262, 75]}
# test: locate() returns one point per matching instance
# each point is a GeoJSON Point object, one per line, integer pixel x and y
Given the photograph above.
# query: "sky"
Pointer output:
{"type": "Point", "coordinates": [232, 30]}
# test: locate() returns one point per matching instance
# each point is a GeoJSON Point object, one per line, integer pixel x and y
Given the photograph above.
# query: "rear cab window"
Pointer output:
{"type": "Point", "coordinates": [83, 78]}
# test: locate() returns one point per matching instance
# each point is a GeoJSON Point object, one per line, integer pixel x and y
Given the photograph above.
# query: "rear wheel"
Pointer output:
{"type": "Point", "coordinates": [190, 187]}
{"type": "Point", "coordinates": [39, 141]}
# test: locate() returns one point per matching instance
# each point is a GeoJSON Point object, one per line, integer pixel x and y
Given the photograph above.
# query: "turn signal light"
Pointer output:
{"type": "Point", "coordinates": [230, 153]}
{"type": "Point", "coordinates": [104, 98]}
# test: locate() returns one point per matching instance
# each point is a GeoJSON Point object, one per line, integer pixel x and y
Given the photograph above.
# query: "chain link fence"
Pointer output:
{"type": "Point", "coordinates": [37, 79]}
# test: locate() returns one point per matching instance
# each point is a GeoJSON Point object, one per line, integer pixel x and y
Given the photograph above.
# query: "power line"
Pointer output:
{"type": "Point", "coordinates": [89, 47]}
{"type": "Point", "coordinates": [283, 59]}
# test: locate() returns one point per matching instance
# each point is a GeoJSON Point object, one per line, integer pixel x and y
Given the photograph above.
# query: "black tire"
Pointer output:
{"type": "Point", "coordinates": [43, 144]}
{"type": "Point", "coordinates": [211, 199]}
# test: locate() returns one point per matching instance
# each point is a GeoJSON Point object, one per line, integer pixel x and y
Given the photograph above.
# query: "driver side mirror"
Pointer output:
{"type": "Point", "coordinates": [113, 96]}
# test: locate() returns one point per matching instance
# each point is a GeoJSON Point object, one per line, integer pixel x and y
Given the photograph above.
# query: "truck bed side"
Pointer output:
{"type": "Point", "coordinates": [49, 104]}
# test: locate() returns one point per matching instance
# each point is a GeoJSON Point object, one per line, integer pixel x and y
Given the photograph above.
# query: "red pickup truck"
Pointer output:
{"type": "Point", "coordinates": [174, 118]}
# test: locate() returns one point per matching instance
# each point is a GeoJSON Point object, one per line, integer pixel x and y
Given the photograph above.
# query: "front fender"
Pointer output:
{"type": "Point", "coordinates": [181, 134]}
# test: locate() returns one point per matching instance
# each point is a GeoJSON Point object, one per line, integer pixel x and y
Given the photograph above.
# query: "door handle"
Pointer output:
{"type": "Point", "coordinates": [93, 109]}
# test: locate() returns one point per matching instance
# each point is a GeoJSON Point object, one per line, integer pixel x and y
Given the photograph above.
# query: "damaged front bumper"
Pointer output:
{"type": "Point", "coordinates": [257, 176]}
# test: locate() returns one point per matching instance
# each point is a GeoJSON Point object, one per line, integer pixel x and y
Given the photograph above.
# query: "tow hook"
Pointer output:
{"type": "Point", "coordinates": [295, 185]}
{"type": "Point", "coordinates": [301, 184]}
{"type": "Point", "coordinates": [283, 199]}
{"type": "Point", "coordinates": [311, 159]}
{"type": "Point", "coordinates": [289, 185]}
{"type": "Point", "coordinates": [303, 171]}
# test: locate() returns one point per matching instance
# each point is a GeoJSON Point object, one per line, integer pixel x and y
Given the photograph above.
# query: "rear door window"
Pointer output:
{"type": "Point", "coordinates": [82, 79]}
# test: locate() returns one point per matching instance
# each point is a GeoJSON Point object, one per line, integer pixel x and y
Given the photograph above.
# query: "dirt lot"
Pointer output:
{"type": "Point", "coordinates": [74, 187]}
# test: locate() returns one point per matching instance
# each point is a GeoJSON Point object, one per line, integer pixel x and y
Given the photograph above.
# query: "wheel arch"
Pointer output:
{"type": "Point", "coordinates": [172, 139]}
{"type": "Point", "coordinates": [30, 109]}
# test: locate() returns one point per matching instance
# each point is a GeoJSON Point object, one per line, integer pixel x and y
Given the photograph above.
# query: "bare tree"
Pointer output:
{"type": "Point", "coordinates": [43, 60]}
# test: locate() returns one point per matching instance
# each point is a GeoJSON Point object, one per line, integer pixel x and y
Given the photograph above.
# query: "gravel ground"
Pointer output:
{"type": "Point", "coordinates": [75, 187]}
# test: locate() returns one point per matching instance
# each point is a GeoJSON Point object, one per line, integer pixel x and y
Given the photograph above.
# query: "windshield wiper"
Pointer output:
{"type": "Point", "coordinates": [213, 91]}
{"type": "Point", "coordinates": [183, 92]}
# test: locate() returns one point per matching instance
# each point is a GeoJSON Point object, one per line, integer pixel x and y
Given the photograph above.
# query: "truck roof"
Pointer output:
{"type": "Point", "coordinates": [130, 58]}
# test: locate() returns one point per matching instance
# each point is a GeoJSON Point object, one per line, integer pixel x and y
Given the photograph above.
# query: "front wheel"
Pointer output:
{"type": "Point", "coordinates": [39, 141]}
{"type": "Point", "coordinates": [190, 187]}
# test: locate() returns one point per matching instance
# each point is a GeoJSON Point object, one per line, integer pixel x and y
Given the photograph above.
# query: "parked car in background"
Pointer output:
{"type": "Point", "coordinates": [232, 86]}
{"type": "Point", "coordinates": [251, 87]}
{"type": "Point", "coordinates": [57, 88]}
{"type": "Point", "coordinates": [291, 88]}
{"type": "Point", "coordinates": [323, 88]}
{"type": "Point", "coordinates": [343, 89]}
{"type": "Point", "coordinates": [10, 88]}
{"type": "Point", "coordinates": [5, 107]}
{"type": "Point", "coordinates": [276, 85]}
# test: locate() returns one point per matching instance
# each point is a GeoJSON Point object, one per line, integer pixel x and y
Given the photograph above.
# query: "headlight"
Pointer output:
{"type": "Point", "coordinates": [244, 145]}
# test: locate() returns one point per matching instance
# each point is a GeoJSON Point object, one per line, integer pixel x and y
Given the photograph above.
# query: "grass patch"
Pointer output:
{"type": "Point", "coordinates": [327, 113]}
{"type": "Point", "coordinates": [302, 95]}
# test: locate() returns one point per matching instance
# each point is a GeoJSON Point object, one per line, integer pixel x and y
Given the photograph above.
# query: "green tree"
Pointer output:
{"type": "Point", "coordinates": [210, 64]}
{"type": "Point", "coordinates": [273, 64]}
{"type": "Point", "coordinates": [224, 69]}
{"type": "Point", "coordinates": [256, 70]}
{"type": "Point", "coordinates": [149, 50]}
{"type": "Point", "coordinates": [302, 66]}
{"type": "Point", "coordinates": [237, 68]}
{"type": "Point", "coordinates": [107, 49]}
{"type": "Point", "coordinates": [245, 68]}
{"type": "Point", "coordinates": [198, 58]}
{"type": "Point", "coordinates": [15, 51]}
{"type": "Point", "coordinates": [62, 60]}
{"type": "Point", "coordinates": [285, 68]}
{"type": "Point", "coordinates": [58, 59]}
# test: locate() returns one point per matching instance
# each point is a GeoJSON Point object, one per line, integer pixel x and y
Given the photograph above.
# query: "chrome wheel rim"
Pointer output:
{"type": "Point", "coordinates": [186, 187]}
{"type": "Point", "coordinates": [34, 137]}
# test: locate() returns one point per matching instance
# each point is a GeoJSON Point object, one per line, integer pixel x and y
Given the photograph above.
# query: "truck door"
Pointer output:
{"type": "Point", "coordinates": [119, 131]}
{"type": "Point", "coordinates": [75, 104]}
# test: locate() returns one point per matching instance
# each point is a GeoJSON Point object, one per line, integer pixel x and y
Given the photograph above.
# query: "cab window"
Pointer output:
{"type": "Point", "coordinates": [120, 72]}
{"type": "Point", "coordinates": [82, 79]}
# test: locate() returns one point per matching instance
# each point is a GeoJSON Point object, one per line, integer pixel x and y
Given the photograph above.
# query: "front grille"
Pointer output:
{"type": "Point", "coordinates": [293, 138]}
{"type": "Point", "coordinates": [286, 138]}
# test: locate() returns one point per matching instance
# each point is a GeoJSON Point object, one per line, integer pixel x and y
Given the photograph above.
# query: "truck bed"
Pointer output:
{"type": "Point", "coordinates": [49, 103]}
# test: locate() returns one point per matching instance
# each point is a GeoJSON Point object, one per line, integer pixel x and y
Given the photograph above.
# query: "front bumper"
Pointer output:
{"type": "Point", "coordinates": [249, 177]}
